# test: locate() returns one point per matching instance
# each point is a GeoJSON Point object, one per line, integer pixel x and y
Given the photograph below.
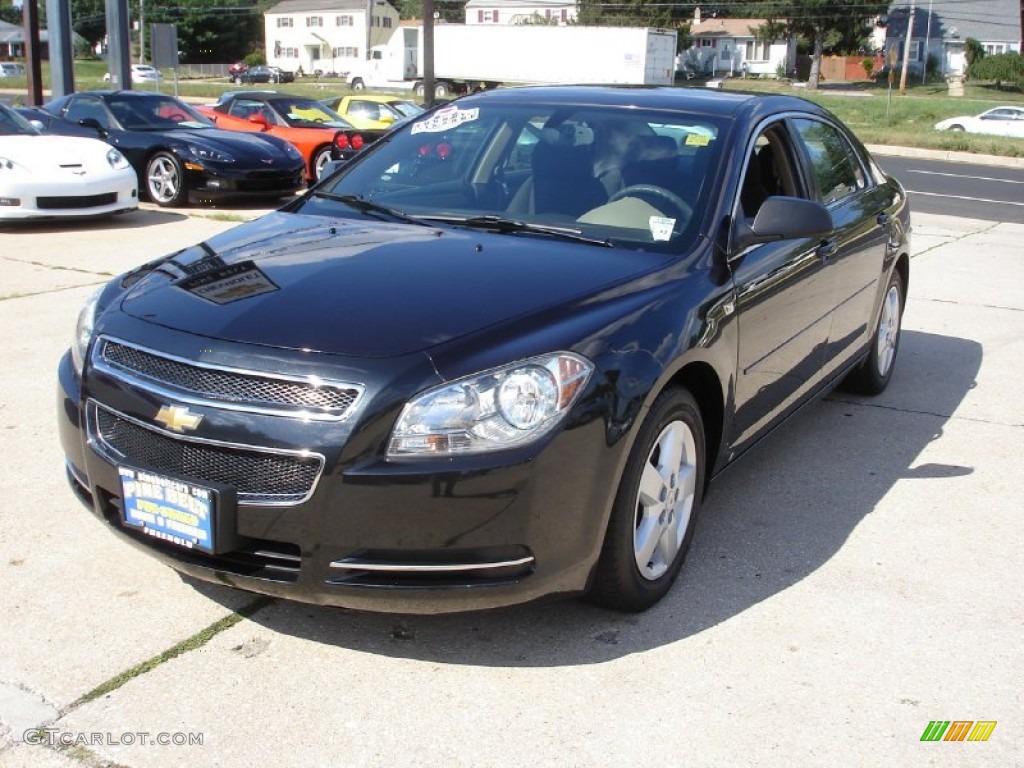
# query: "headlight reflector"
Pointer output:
{"type": "Point", "coordinates": [83, 331]}
{"type": "Point", "coordinates": [116, 159]}
{"type": "Point", "coordinates": [491, 411]}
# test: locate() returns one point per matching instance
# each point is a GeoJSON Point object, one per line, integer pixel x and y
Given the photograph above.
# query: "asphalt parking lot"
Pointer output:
{"type": "Point", "coordinates": [852, 580]}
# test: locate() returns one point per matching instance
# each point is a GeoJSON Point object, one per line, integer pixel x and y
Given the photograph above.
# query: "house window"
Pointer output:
{"type": "Point", "coordinates": [289, 53]}
{"type": "Point", "coordinates": [487, 17]}
{"type": "Point", "coordinates": [286, 21]}
{"type": "Point", "coordinates": [994, 49]}
{"type": "Point", "coordinates": [705, 43]}
{"type": "Point", "coordinates": [346, 51]}
{"type": "Point", "coordinates": [915, 50]}
{"type": "Point", "coordinates": [344, 21]}
{"type": "Point", "coordinates": [387, 22]}
{"type": "Point", "coordinates": [314, 21]}
{"type": "Point", "coordinates": [565, 15]}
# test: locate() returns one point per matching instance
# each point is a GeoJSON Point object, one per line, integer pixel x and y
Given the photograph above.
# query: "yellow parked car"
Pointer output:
{"type": "Point", "coordinates": [366, 112]}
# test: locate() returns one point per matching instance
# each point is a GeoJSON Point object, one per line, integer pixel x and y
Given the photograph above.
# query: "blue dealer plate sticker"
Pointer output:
{"type": "Point", "coordinates": [168, 509]}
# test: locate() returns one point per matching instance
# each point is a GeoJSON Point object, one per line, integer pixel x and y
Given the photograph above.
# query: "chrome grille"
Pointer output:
{"type": "Point", "coordinates": [260, 476]}
{"type": "Point", "coordinates": [232, 388]}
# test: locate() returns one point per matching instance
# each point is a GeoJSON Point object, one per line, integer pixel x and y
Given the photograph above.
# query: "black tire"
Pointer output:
{"type": "Point", "coordinates": [238, 79]}
{"type": "Point", "coordinates": [165, 180]}
{"type": "Point", "coordinates": [655, 509]}
{"type": "Point", "coordinates": [358, 85]}
{"type": "Point", "coordinates": [872, 376]}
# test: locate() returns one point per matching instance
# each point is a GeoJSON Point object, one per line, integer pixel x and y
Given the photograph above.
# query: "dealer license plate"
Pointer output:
{"type": "Point", "coordinates": [168, 509]}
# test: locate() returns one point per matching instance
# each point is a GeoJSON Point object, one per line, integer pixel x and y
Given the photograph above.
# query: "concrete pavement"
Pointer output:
{"type": "Point", "coordinates": [853, 579]}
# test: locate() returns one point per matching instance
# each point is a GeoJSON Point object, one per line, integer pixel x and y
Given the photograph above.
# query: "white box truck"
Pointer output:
{"type": "Point", "coordinates": [467, 57]}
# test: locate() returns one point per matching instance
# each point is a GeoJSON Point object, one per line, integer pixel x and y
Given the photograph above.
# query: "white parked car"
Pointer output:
{"type": "Point", "coordinates": [141, 73]}
{"type": "Point", "coordinates": [44, 176]}
{"type": "Point", "coordinates": [1001, 121]}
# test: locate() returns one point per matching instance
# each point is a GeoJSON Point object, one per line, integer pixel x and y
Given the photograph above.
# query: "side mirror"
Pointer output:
{"type": "Point", "coordinates": [783, 218]}
{"type": "Point", "coordinates": [260, 119]}
{"type": "Point", "coordinates": [92, 122]}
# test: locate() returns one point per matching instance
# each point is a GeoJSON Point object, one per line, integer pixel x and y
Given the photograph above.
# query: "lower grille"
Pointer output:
{"type": "Point", "coordinates": [269, 182]}
{"type": "Point", "coordinates": [453, 569]}
{"type": "Point", "coordinates": [80, 201]}
{"type": "Point", "coordinates": [260, 476]}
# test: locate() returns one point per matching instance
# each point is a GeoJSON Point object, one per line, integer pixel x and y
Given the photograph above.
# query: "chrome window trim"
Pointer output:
{"type": "Point", "coordinates": [192, 398]}
{"type": "Point", "coordinates": [111, 454]}
{"type": "Point", "coordinates": [356, 565]}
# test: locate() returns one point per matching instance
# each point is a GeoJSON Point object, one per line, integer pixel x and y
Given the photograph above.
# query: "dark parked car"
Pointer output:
{"type": "Point", "coordinates": [178, 154]}
{"type": "Point", "coordinates": [263, 74]}
{"type": "Point", "coordinates": [510, 345]}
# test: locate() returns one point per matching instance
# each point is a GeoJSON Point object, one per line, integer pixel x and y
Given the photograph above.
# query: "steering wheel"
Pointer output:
{"type": "Point", "coordinates": [635, 190]}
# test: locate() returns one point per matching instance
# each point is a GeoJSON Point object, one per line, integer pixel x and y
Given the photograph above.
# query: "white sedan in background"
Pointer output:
{"type": "Point", "coordinates": [141, 73]}
{"type": "Point", "coordinates": [1000, 121]}
{"type": "Point", "coordinates": [44, 176]}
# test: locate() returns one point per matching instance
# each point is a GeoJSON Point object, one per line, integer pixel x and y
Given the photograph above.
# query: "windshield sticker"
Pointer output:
{"type": "Point", "coordinates": [446, 119]}
{"type": "Point", "coordinates": [661, 227]}
{"type": "Point", "coordinates": [697, 139]}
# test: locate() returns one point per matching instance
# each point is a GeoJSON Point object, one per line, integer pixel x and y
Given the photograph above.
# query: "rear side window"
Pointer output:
{"type": "Point", "coordinates": [833, 161]}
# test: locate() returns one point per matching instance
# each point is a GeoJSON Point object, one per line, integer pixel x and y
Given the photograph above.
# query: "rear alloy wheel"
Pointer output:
{"type": "Point", "coordinates": [165, 180]}
{"type": "Point", "coordinates": [655, 509]}
{"type": "Point", "coordinates": [873, 374]}
{"type": "Point", "coordinates": [320, 159]}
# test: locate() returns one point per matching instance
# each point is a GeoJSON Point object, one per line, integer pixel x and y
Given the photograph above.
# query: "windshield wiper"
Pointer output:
{"type": "Point", "coordinates": [370, 208]}
{"type": "Point", "coordinates": [503, 225]}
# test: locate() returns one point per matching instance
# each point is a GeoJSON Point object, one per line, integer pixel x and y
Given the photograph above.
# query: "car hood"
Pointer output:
{"type": "Point", "coordinates": [59, 155]}
{"type": "Point", "coordinates": [366, 288]}
{"type": "Point", "coordinates": [255, 144]}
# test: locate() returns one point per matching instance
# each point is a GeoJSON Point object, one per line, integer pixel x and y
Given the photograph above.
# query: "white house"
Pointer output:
{"type": "Point", "coordinates": [941, 27]}
{"type": "Point", "coordinates": [520, 11]}
{"type": "Point", "coordinates": [729, 46]}
{"type": "Point", "coordinates": [327, 35]}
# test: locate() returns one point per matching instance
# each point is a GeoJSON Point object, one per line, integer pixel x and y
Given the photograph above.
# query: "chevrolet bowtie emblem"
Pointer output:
{"type": "Point", "coordinates": [177, 419]}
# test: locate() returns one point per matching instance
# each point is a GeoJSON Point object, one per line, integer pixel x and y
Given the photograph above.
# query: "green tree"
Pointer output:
{"type": "Point", "coordinates": [632, 13]}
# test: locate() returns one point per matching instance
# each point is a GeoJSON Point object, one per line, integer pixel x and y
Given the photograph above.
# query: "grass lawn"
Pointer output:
{"type": "Point", "coordinates": [875, 114]}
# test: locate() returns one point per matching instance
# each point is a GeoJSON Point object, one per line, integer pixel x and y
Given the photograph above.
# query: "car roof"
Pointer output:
{"type": "Point", "coordinates": [700, 100]}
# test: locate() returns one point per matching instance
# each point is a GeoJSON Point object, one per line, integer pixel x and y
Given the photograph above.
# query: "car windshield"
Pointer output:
{"type": "Point", "coordinates": [155, 113]}
{"type": "Point", "coordinates": [407, 108]}
{"type": "Point", "coordinates": [308, 113]}
{"type": "Point", "coordinates": [13, 124]}
{"type": "Point", "coordinates": [616, 176]}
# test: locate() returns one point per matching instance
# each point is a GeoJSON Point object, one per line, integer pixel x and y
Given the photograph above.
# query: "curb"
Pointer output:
{"type": "Point", "coordinates": [946, 156]}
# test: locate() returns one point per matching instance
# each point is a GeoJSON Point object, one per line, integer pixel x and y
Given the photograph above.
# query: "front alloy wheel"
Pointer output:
{"type": "Point", "coordinates": [165, 179]}
{"type": "Point", "coordinates": [655, 510]}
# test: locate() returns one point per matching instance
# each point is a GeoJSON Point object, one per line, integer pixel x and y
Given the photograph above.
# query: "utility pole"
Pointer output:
{"type": "Point", "coordinates": [906, 50]}
{"type": "Point", "coordinates": [927, 41]}
{"type": "Point", "coordinates": [142, 31]}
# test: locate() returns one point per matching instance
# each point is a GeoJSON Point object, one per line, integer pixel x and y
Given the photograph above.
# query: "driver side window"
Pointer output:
{"type": "Point", "coordinates": [82, 109]}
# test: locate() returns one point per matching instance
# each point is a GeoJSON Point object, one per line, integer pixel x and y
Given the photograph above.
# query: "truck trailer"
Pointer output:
{"type": "Point", "coordinates": [467, 57]}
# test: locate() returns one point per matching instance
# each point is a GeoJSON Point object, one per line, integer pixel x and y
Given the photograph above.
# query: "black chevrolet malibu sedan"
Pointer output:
{"type": "Point", "coordinates": [496, 357]}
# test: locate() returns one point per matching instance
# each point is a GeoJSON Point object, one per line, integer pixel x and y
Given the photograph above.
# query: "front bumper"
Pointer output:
{"type": "Point", "coordinates": [75, 197]}
{"type": "Point", "coordinates": [207, 184]}
{"type": "Point", "coordinates": [373, 534]}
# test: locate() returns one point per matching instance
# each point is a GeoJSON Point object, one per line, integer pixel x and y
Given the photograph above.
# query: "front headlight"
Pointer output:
{"type": "Point", "coordinates": [492, 411]}
{"type": "Point", "coordinates": [116, 159]}
{"type": "Point", "coordinates": [207, 153]}
{"type": "Point", "coordinates": [83, 331]}
{"type": "Point", "coordinates": [8, 166]}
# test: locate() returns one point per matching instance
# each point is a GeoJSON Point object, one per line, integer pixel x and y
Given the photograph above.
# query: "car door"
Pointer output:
{"type": "Point", "coordinates": [783, 294]}
{"type": "Point", "coordinates": [856, 252]}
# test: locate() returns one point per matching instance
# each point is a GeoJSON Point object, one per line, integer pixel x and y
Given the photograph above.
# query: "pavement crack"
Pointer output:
{"type": "Point", "coordinates": [915, 412]}
{"type": "Point", "coordinates": [953, 303]}
{"type": "Point", "coordinates": [198, 640]}
{"type": "Point", "coordinates": [49, 291]}
{"type": "Point", "coordinates": [58, 267]}
{"type": "Point", "coordinates": [956, 239]}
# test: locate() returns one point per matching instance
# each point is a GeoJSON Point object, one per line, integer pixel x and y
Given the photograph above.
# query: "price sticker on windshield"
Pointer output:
{"type": "Point", "coordinates": [446, 119]}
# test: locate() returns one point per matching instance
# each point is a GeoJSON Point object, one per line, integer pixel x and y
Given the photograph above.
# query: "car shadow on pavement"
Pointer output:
{"type": "Point", "coordinates": [133, 220]}
{"type": "Point", "coordinates": [774, 519]}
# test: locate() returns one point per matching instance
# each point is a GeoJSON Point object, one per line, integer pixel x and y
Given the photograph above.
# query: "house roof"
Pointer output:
{"type": "Point", "coordinates": [521, 3]}
{"type": "Point", "coordinates": [988, 21]}
{"type": "Point", "coordinates": [726, 27]}
{"type": "Point", "coordinates": [327, 6]}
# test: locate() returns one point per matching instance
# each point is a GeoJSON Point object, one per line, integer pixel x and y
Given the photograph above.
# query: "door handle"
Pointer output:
{"type": "Point", "coordinates": [827, 251]}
